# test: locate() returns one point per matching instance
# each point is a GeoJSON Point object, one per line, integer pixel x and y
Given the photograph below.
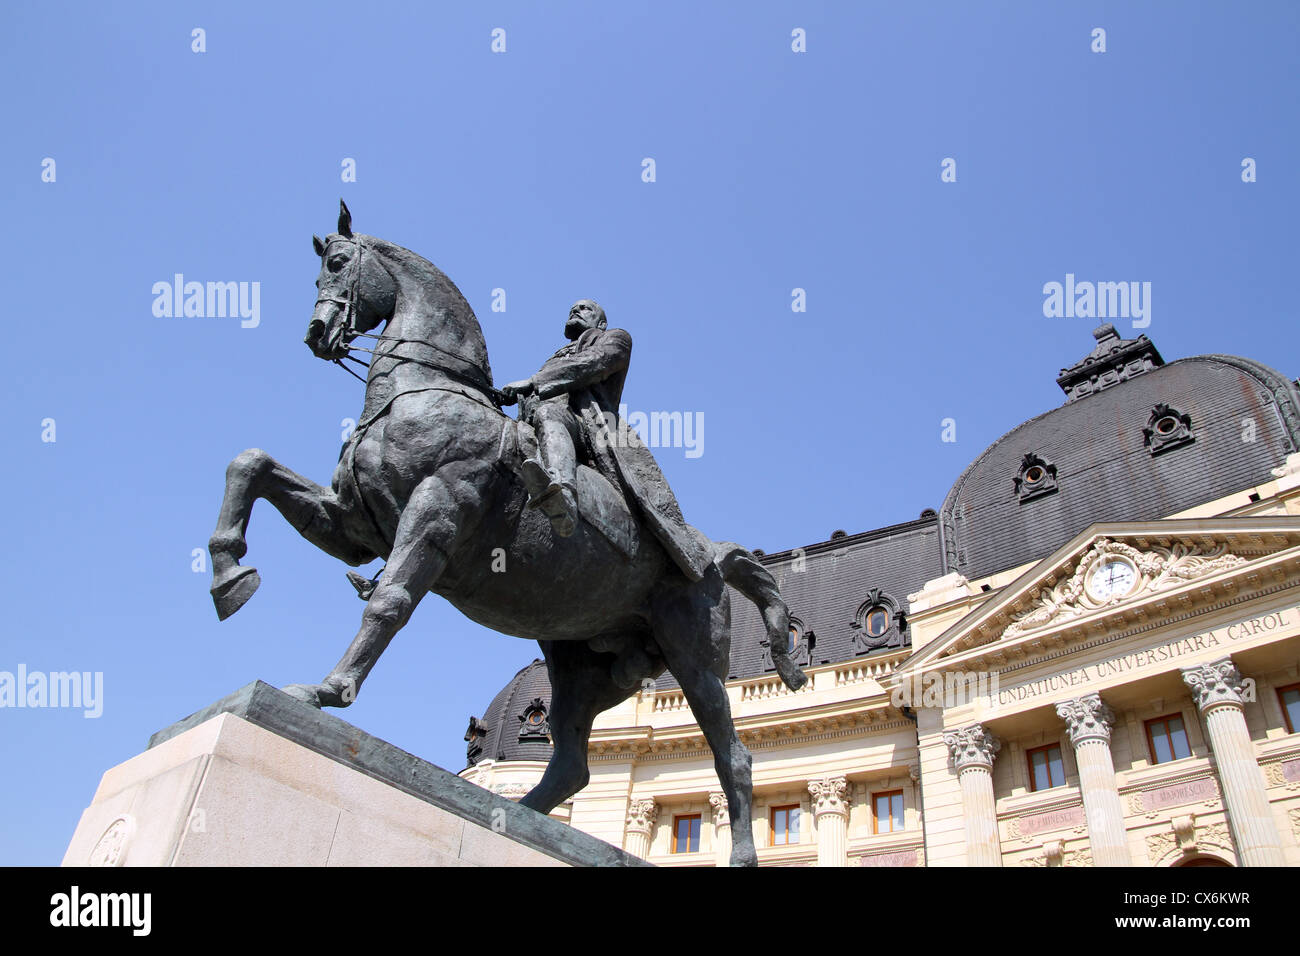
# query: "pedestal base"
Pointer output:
{"type": "Point", "coordinates": [260, 779]}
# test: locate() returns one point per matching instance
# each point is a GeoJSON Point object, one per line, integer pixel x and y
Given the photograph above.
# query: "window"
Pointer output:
{"type": "Point", "coordinates": [1168, 739]}
{"type": "Point", "coordinates": [1290, 700]}
{"type": "Point", "coordinates": [686, 833]}
{"type": "Point", "coordinates": [877, 621]}
{"type": "Point", "coordinates": [1045, 768]}
{"type": "Point", "coordinates": [887, 811]}
{"type": "Point", "coordinates": [785, 825]}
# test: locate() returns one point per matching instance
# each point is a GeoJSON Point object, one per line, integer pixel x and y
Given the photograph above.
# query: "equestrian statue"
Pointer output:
{"type": "Point", "coordinates": [557, 526]}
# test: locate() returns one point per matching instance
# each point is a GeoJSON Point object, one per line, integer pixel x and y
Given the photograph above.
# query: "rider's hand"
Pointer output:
{"type": "Point", "coordinates": [512, 392]}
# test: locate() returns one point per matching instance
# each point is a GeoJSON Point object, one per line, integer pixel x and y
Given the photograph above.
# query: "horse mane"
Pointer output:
{"type": "Point", "coordinates": [439, 294]}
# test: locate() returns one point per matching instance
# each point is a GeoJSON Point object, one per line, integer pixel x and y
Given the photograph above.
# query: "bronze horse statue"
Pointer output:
{"type": "Point", "coordinates": [429, 482]}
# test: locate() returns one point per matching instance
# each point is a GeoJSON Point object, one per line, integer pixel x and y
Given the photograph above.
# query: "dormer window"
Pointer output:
{"type": "Point", "coordinates": [1036, 478]}
{"type": "Point", "coordinates": [880, 623]}
{"type": "Point", "coordinates": [800, 646]}
{"type": "Point", "coordinates": [1167, 428]}
{"type": "Point", "coordinates": [533, 724]}
{"type": "Point", "coordinates": [475, 735]}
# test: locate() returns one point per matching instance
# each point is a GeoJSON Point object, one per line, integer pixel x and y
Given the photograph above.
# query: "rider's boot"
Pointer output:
{"type": "Point", "coordinates": [558, 501]}
{"type": "Point", "coordinates": [552, 481]}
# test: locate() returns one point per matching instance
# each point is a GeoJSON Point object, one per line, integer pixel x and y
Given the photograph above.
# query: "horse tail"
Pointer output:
{"type": "Point", "coordinates": [747, 575]}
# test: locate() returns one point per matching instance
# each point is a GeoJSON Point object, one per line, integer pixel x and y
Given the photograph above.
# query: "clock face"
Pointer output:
{"type": "Point", "coordinates": [1112, 578]}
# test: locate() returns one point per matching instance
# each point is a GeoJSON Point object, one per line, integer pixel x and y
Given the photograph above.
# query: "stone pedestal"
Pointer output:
{"type": "Point", "coordinates": [260, 779]}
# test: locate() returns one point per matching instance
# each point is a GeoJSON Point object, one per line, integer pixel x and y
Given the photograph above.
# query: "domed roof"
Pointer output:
{"type": "Point", "coordinates": [515, 726]}
{"type": "Point", "coordinates": [1137, 439]}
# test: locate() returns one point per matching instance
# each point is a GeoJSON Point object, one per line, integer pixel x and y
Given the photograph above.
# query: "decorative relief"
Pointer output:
{"type": "Point", "coordinates": [110, 849]}
{"type": "Point", "coordinates": [971, 746]}
{"type": "Point", "coordinates": [829, 795]}
{"type": "Point", "coordinates": [1184, 837]}
{"type": "Point", "coordinates": [1088, 718]}
{"type": "Point", "coordinates": [511, 791]}
{"type": "Point", "coordinates": [1283, 773]}
{"type": "Point", "coordinates": [1217, 682]}
{"type": "Point", "coordinates": [1157, 569]}
{"type": "Point", "coordinates": [1079, 858]}
{"type": "Point", "coordinates": [1294, 816]}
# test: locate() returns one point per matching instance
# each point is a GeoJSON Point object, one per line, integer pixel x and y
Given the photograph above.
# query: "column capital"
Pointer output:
{"type": "Point", "coordinates": [641, 815]}
{"type": "Point", "coordinates": [971, 746]}
{"type": "Point", "coordinates": [829, 795]}
{"type": "Point", "coordinates": [1087, 717]}
{"type": "Point", "coordinates": [1215, 683]}
{"type": "Point", "coordinates": [721, 812]}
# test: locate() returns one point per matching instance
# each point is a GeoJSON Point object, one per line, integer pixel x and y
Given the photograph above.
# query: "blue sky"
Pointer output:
{"type": "Point", "coordinates": [522, 170]}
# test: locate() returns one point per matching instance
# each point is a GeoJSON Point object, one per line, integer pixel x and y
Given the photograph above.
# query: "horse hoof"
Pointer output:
{"type": "Point", "coordinates": [230, 594]}
{"type": "Point", "coordinates": [309, 694]}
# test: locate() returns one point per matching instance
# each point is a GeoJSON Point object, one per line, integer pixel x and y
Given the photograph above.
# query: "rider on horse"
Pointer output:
{"type": "Point", "coordinates": [572, 403]}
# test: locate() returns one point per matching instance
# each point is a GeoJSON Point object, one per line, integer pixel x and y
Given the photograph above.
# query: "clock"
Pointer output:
{"type": "Point", "coordinates": [1111, 579]}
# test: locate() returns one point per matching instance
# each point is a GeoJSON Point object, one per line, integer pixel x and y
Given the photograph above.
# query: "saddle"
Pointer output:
{"type": "Point", "coordinates": [609, 503]}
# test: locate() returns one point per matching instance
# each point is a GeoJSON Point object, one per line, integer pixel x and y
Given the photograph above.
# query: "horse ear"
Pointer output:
{"type": "Point", "coordinates": [345, 220]}
{"type": "Point", "coordinates": [318, 245]}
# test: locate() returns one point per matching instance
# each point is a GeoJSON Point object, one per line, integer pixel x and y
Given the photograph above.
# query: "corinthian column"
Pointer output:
{"type": "Point", "coordinates": [1217, 689]}
{"type": "Point", "coordinates": [972, 750]}
{"type": "Point", "coordinates": [721, 828]}
{"type": "Point", "coordinates": [1090, 722]}
{"type": "Point", "coordinates": [831, 815]}
{"type": "Point", "coordinates": [641, 816]}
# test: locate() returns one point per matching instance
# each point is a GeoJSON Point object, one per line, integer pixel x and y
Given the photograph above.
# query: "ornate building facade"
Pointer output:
{"type": "Point", "coordinates": [1089, 655]}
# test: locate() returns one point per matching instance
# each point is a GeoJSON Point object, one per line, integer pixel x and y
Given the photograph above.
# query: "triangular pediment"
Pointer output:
{"type": "Point", "coordinates": [1118, 570]}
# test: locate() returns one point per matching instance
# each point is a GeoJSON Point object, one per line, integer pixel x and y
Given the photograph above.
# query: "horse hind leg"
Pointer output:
{"type": "Point", "coordinates": [692, 628]}
{"type": "Point", "coordinates": [581, 687]}
{"type": "Point", "coordinates": [312, 509]}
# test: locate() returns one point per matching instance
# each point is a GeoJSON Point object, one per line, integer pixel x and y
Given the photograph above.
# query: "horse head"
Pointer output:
{"type": "Point", "coordinates": [355, 292]}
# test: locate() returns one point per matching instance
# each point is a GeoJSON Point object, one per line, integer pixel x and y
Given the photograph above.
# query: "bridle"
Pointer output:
{"type": "Point", "coordinates": [474, 378]}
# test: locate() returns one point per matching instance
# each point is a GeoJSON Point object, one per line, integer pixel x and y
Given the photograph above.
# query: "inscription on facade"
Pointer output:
{"type": "Point", "coordinates": [1127, 663]}
{"type": "Point", "coordinates": [1052, 820]}
{"type": "Point", "coordinates": [1180, 793]}
{"type": "Point", "coordinates": [1291, 771]}
{"type": "Point", "coordinates": [901, 858]}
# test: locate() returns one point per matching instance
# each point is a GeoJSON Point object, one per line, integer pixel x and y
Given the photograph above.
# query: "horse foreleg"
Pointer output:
{"type": "Point", "coordinates": [581, 687]}
{"type": "Point", "coordinates": [439, 515]}
{"type": "Point", "coordinates": [309, 507]}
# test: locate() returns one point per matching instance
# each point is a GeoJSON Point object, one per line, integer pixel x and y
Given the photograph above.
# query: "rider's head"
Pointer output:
{"type": "Point", "coordinates": [584, 315]}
